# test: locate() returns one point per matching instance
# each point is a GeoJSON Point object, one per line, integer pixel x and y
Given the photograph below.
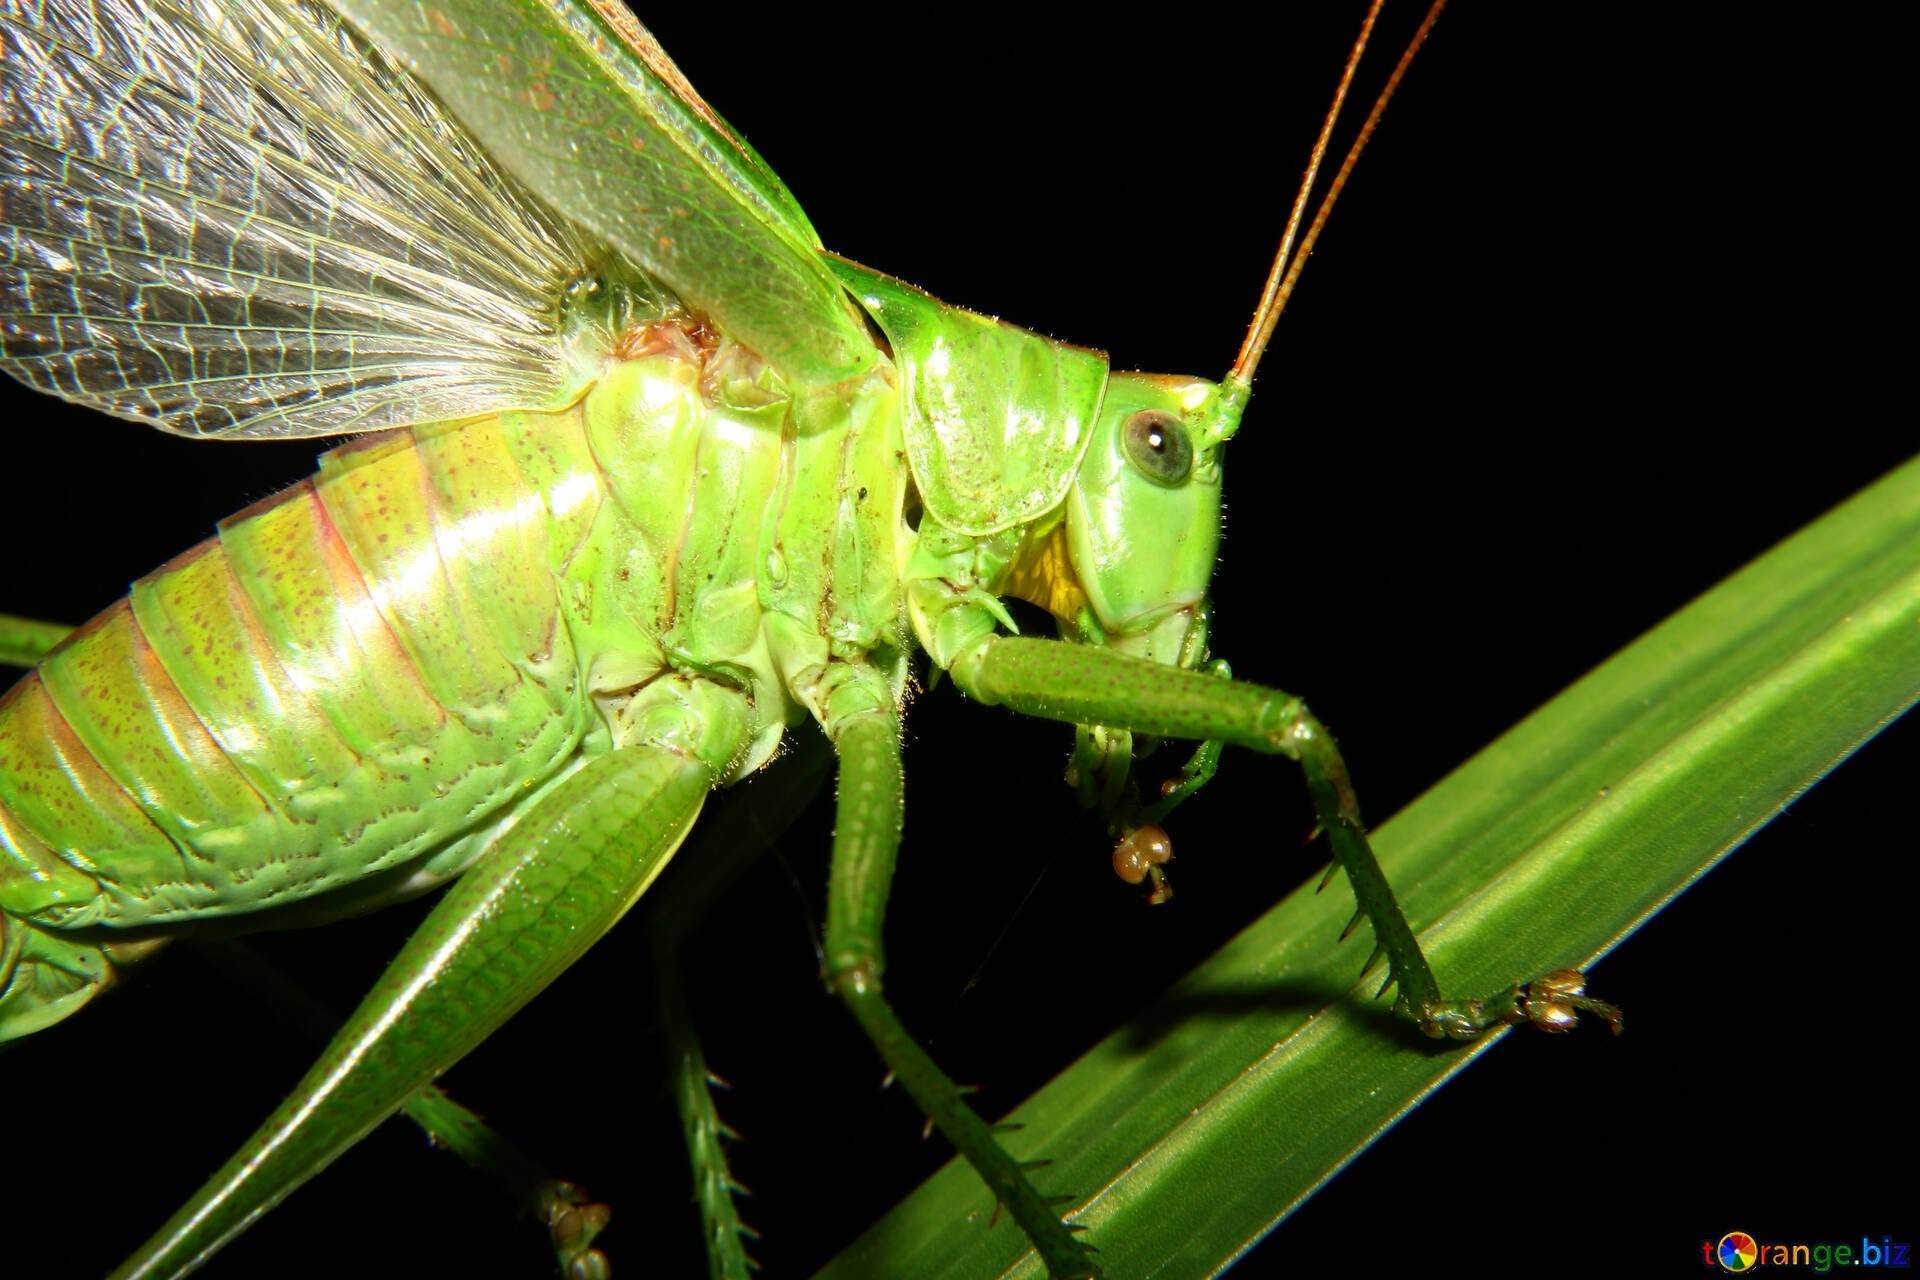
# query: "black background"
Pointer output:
{"type": "Point", "coordinates": [1615, 303]}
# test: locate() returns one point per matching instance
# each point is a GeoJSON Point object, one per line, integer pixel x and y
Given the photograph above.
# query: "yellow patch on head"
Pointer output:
{"type": "Point", "coordinates": [1043, 575]}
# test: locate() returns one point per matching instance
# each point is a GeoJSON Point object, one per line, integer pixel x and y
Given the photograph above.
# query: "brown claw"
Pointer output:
{"type": "Point", "coordinates": [1140, 856]}
{"type": "Point", "coordinates": [572, 1222]}
{"type": "Point", "coordinates": [1554, 1002]}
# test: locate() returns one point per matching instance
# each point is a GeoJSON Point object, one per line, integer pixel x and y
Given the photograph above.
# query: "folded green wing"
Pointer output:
{"type": "Point", "coordinates": [576, 101]}
{"type": "Point", "coordinates": [752, 177]}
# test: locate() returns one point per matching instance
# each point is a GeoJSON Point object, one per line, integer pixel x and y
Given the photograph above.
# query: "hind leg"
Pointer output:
{"type": "Point", "coordinates": [571, 1220]}
{"type": "Point", "coordinates": [554, 882]}
{"type": "Point", "coordinates": [23, 641]}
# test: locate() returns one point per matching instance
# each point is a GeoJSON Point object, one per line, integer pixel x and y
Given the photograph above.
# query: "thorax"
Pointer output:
{"type": "Point", "coordinates": [709, 519]}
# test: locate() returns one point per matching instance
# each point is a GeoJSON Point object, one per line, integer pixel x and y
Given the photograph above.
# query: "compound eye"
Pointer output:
{"type": "Point", "coordinates": [1157, 446]}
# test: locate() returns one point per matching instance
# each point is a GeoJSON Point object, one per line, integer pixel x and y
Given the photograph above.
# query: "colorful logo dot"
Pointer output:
{"type": "Point", "coordinates": [1737, 1251]}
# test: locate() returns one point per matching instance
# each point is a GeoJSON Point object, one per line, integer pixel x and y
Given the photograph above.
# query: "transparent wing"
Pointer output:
{"type": "Point", "coordinates": [235, 218]}
{"type": "Point", "coordinates": [577, 101]}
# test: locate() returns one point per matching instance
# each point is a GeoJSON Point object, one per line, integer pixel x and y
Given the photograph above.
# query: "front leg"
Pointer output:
{"type": "Point", "coordinates": [865, 728]}
{"type": "Point", "coordinates": [1081, 684]}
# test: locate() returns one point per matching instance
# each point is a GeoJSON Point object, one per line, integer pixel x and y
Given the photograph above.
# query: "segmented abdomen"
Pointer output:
{"type": "Point", "coordinates": [344, 680]}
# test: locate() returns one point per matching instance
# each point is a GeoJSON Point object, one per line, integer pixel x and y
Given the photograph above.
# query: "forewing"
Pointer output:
{"type": "Point", "coordinates": [575, 100]}
{"type": "Point", "coordinates": [235, 218]}
{"type": "Point", "coordinates": [750, 175]}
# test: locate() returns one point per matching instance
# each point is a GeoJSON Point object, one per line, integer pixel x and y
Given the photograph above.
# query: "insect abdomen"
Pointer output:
{"type": "Point", "coordinates": [368, 672]}
{"type": "Point", "coordinates": [346, 679]}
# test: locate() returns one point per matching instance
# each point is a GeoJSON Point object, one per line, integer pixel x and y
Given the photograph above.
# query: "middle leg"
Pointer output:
{"type": "Point", "coordinates": [865, 728]}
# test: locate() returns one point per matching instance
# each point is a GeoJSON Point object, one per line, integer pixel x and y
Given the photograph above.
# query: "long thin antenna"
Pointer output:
{"type": "Point", "coordinates": [1288, 262]}
{"type": "Point", "coordinates": [1269, 308]}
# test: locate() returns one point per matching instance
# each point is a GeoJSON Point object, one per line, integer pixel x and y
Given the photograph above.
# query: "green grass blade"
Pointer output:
{"type": "Point", "coordinates": [1195, 1132]}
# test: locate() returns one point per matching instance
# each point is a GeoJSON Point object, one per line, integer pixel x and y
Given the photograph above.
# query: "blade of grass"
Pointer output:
{"type": "Point", "coordinates": [1261, 1074]}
